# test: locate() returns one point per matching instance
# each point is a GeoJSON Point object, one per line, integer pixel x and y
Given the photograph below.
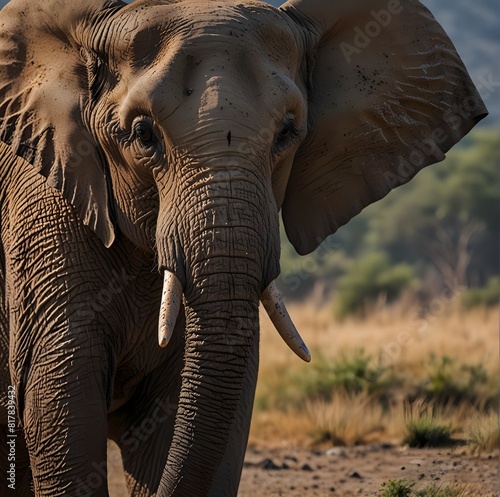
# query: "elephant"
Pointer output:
{"type": "Point", "coordinates": [146, 153]}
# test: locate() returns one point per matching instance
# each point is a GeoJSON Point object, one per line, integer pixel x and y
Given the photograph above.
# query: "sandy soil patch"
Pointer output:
{"type": "Point", "coordinates": [356, 471]}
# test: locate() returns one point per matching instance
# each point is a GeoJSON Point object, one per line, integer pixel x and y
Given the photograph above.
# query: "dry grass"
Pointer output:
{"type": "Point", "coordinates": [482, 433]}
{"type": "Point", "coordinates": [405, 488]}
{"type": "Point", "coordinates": [409, 350]}
{"type": "Point", "coordinates": [347, 419]}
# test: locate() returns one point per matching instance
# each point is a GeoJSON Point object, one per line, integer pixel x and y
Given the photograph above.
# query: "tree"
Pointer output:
{"type": "Point", "coordinates": [448, 212]}
{"type": "Point", "coordinates": [447, 217]}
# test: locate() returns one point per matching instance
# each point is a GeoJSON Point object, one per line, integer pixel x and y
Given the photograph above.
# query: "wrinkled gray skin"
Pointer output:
{"type": "Point", "coordinates": [167, 135]}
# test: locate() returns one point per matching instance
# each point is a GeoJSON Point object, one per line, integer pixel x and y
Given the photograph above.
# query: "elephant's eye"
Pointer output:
{"type": "Point", "coordinates": [285, 135]}
{"type": "Point", "coordinates": [144, 134]}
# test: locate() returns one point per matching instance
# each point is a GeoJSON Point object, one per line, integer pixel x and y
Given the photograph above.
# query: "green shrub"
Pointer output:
{"type": "Point", "coordinates": [404, 488]}
{"type": "Point", "coordinates": [352, 373]}
{"type": "Point", "coordinates": [427, 432]}
{"type": "Point", "coordinates": [488, 296]}
{"type": "Point", "coordinates": [442, 383]}
{"type": "Point", "coordinates": [367, 279]}
{"type": "Point", "coordinates": [396, 488]}
{"type": "Point", "coordinates": [450, 381]}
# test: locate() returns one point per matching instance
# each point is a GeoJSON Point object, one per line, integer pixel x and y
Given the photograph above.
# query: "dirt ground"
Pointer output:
{"type": "Point", "coordinates": [357, 471]}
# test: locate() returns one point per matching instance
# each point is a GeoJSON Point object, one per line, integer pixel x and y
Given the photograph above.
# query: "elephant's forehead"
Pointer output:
{"type": "Point", "coordinates": [151, 28]}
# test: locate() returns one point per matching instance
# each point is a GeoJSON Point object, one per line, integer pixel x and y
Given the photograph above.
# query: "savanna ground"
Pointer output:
{"type": "Point", "coordinates": [400, 398]}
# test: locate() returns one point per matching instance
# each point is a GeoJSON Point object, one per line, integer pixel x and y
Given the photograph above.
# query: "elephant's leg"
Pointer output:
{"type": "Point", "coordinates": [144, 441]}
{"type": "Point", "coordinates": [63, 372]}
{"type": "Point", "coordinates": [61, 400]}
{"type": "Point", "coordinates": [65, 427]}
{"type": "Point", "coordinates": [61, 358]}
{"type": "Point", "coordinates": [143, 431]}
{"type": "Point", "coordinates": [143, 427]}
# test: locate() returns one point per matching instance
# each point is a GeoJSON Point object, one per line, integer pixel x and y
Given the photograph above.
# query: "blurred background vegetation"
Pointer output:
{"type": "Point", "coordinates": [438, 232]}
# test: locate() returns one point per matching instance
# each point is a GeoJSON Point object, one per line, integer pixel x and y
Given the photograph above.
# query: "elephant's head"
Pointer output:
{"type": "Point", "coordinates": [186, 126]}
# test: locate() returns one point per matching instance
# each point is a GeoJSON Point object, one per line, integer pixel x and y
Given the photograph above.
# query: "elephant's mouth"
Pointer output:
{"type": "Point", "coordinates": [271, 299]}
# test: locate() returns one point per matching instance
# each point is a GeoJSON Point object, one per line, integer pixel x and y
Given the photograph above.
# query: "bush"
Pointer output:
{"type": "Point", "coordinates": [396, 488]}
{"type": "Point", "coordinates": [367, 279]}
{"type": "Point", "coordinates": [351, 373]}
{"type": "Point", "coordinates": [345, 420]}
{"type": "Point", "coordinates": [450, 381]}
{"type": "Point", "coordinates": [488, 296]}
{"type": "Point", "coordinates": [427, 432]}
{"type": "Point", "coordinates": [443, 384]}
{"type": "Point", "coordinates": [403, 488]}
{"type": "Point", "coordinates": [483, 434]}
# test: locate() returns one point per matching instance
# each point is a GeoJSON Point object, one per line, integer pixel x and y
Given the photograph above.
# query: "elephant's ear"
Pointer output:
{"type": "Point", "coordinates": [46, 77]}
{"type": "Point", "coordinates": [388, 96]}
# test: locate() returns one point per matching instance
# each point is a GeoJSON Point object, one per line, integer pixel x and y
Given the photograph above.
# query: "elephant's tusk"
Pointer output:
{"type": "Point", "coordinates": [171, 299]}
{"type": "Point", "coordinates": [275, 307]}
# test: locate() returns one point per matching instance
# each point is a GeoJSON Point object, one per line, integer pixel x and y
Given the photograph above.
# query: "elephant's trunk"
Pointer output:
{"type": "Point", "coordinates": [218, 363]}
{"type": "Point", "coordinates": [230, 252]}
